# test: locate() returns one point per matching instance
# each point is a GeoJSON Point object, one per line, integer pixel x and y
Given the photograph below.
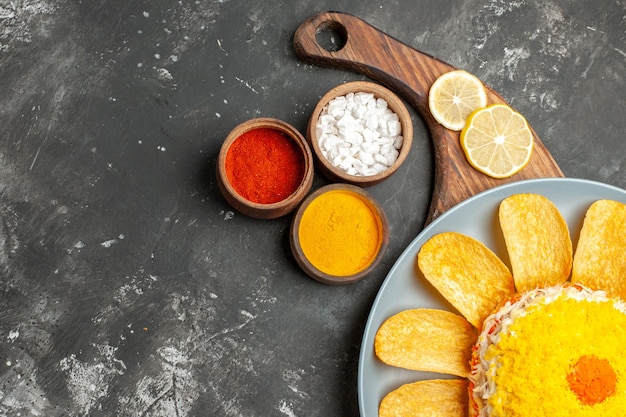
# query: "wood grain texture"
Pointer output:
{"type": "Point", "coordinates": [409, 73]}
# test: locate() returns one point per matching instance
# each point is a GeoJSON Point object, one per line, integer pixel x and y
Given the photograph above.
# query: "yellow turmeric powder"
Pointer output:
{"type": "Point", "coordinates": [340, 233]}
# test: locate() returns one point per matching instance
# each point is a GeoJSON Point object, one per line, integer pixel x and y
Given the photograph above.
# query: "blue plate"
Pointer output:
{"type": "Point", "coordinates": [403, 288]}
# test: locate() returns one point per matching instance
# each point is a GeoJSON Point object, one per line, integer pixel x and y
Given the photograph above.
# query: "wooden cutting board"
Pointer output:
{"type": "Point", "coordinates": [408, 72]}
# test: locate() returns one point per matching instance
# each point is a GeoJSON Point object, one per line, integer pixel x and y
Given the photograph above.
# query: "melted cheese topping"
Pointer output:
{"type": "Point", "coordinates": [528, 348]}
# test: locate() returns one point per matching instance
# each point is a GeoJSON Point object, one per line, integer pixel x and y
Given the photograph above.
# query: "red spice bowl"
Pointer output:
{"type": "Point", "coordinates": [264, 168]}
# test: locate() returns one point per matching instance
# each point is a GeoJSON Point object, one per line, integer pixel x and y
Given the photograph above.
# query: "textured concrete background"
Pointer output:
{"type": "Point", "coordinates": [129, 287]}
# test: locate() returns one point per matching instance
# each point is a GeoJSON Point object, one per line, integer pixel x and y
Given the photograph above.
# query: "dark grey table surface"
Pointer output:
{"type": "Point", "coordinates": [129, 287]}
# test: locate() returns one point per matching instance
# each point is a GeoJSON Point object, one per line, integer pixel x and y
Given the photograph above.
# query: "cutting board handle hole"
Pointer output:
{"type": "Point", "coordinates": [331, 35]}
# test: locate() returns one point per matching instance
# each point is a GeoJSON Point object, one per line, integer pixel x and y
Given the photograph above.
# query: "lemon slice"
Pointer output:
{"type": "Point", "coordinates": [497, 141]}
{"type": "Point", "coordinates": [454, 96]}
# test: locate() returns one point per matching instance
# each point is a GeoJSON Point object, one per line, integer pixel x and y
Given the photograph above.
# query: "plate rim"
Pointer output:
{"type": "Point", "coordinates": [505, 189]}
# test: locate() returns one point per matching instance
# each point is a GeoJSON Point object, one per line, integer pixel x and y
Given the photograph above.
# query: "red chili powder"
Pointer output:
{"type": "Point", "coordinates": [264, 165]}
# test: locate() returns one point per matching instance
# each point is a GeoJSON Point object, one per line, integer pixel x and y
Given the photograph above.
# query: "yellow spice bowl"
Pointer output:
{"type": "Point", "coordinates": [339, 234]}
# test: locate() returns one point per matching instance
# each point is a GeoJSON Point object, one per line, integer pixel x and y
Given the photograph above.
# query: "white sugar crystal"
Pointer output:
{"type": "Point", "coordinates": [332, 155]}
{"type": "Point", "coordinates": [329, 142]}
{"type": "Point", "coordinates": [394, 127]}
{"type": "Point", "coordinates": [344, 152]}
{"type": "Point", "coordinates": [372, 122]}
{"type": "Point", "coordinates": [327, 120]}
{"type": "Point", "coordinates": [369, 171]}
{"type": "Point", "coordinates": [383, 127]}
{"type": "Point", "coordinates": [392, 155]}
{"type": "Point", "coordinates": [381, 159]}
{"type": "Point", "coordinates": [354, 138]}
{"type": "Point", "coordinates": [380, 168]}
{"type": "Point", "coordinates": [397, 143]}
{"type": "Point", "coordinates": [359, 134]}
{"type": "Point", "coordinates": [359, 112]}
{"type": "Point", "coordinates": [346, 163]}
{"type": "Point", "coordinates": [346, 122]}
{"type": "Point", "coordinates": [370, 147]}
{"type": "Point", "coordinates": [339, 101]}
{"type": "Point", "coordinates": [363, 98]}
{"type": "Point", "coordinates": [367, 158]}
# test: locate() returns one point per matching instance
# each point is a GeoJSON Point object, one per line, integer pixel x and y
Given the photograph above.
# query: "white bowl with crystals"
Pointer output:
{"type": "Point", "coordinates": [360, 133]}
